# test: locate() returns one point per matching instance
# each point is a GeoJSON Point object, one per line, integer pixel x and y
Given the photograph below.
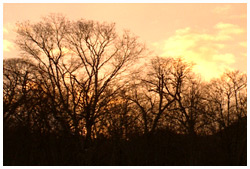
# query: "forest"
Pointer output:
{"type": "Point", "coordinates": [82, 93]}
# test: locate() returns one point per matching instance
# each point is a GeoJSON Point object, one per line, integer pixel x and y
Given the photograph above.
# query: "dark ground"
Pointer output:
{"type": "Point", "coordinates": [228, 147]}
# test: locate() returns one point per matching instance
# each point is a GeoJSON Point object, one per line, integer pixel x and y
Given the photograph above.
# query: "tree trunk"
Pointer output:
{"type": "Point", "coordinates": [88, 134]}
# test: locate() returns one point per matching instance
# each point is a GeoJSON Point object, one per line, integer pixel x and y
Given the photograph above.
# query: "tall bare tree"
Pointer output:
{"type": "Point", "coordinates": [227, 98]}
{"type": "Point", "coordinates": [81, 59]}
{"type": "Point", "coordinates": [156, 93]}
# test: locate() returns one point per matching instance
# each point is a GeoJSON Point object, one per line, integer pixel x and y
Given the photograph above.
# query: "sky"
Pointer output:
{"type": "Point", "coordinates": [212, 36]}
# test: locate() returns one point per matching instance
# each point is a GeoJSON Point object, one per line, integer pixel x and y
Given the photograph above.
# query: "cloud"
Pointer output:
{"type": "Point", "coordinates": [7, 37]}
{"type": "Point", "coordinates": [227, 58]}
{"type": "Point", "coordinates": [205, 50]}
{"type": "Point", "coordinates": [7, 45]}
{"type": "Point", "coordinates": [228, 29]}
{"type": "Point", "coordinates": [241, 16]}
{"type": "Point", "coordinates": [222, 9]}
{"type": "Point", "coordinates": [5, 30]}
{"type": "Point", "coordinates": [8, 28]}
{"type": "Point", "coordinates": [243, 44]}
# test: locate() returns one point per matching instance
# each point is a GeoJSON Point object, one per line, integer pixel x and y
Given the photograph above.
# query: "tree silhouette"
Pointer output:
{"type": "Point", "coordinates": [98, 56]}
{"type": "Point", "coordinates": [227, 98]}
{"type": "Point", "coordinates": [79, 95]}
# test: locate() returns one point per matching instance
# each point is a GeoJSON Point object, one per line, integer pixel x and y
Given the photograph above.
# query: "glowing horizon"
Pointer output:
{"type": "Point", "coordinates": [212, 36]}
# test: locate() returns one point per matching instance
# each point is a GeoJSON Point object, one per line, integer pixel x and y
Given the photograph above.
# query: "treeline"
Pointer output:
{"type": "Point", "coordinates": [84, 81]}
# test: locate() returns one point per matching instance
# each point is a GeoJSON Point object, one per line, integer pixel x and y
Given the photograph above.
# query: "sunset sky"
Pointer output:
{"type": "Point", "coordinates": [213, 36]}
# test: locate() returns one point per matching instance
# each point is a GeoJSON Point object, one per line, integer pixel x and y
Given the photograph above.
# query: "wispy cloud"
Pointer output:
{"type": "Point", "coordinates": [8, 28]}
{"type": "Point", "coordinates": [7, 45]}
{"type": "Point", "coordinates": [8, 37]}
{"type": "Point", "coordinates": [222, 9]}
{"type": "Point", "coordinates": [5, 30]}
{"type": "Point", "coordinates": [241, 16]}
{"type": "Point", "coordinates": [228, 29]}
{"type": "Point", "coordinates": [244, 44]}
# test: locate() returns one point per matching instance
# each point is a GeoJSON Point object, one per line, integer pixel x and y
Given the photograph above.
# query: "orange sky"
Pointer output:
{"type": "Point", "coordinates": [213, 36]}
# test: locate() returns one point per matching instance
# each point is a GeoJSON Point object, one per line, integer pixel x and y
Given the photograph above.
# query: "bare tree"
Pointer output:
{"type": "Point", "coordinates": [227, 99]}
{"type": "Point", "coordinates": [44, 42]}
{"type": "Point", "coordinates": [156, 93]}
{"type": "Point", "coordinates": [24, 102]}
{"type": "Point", "coordinates": [188, 113]}
{"type": "Point", "coordinates": [17, 90]}
{"type": "Point", "coordinates": [104, 56]}
{"type": "Point", "coordinates": [81, 59]}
